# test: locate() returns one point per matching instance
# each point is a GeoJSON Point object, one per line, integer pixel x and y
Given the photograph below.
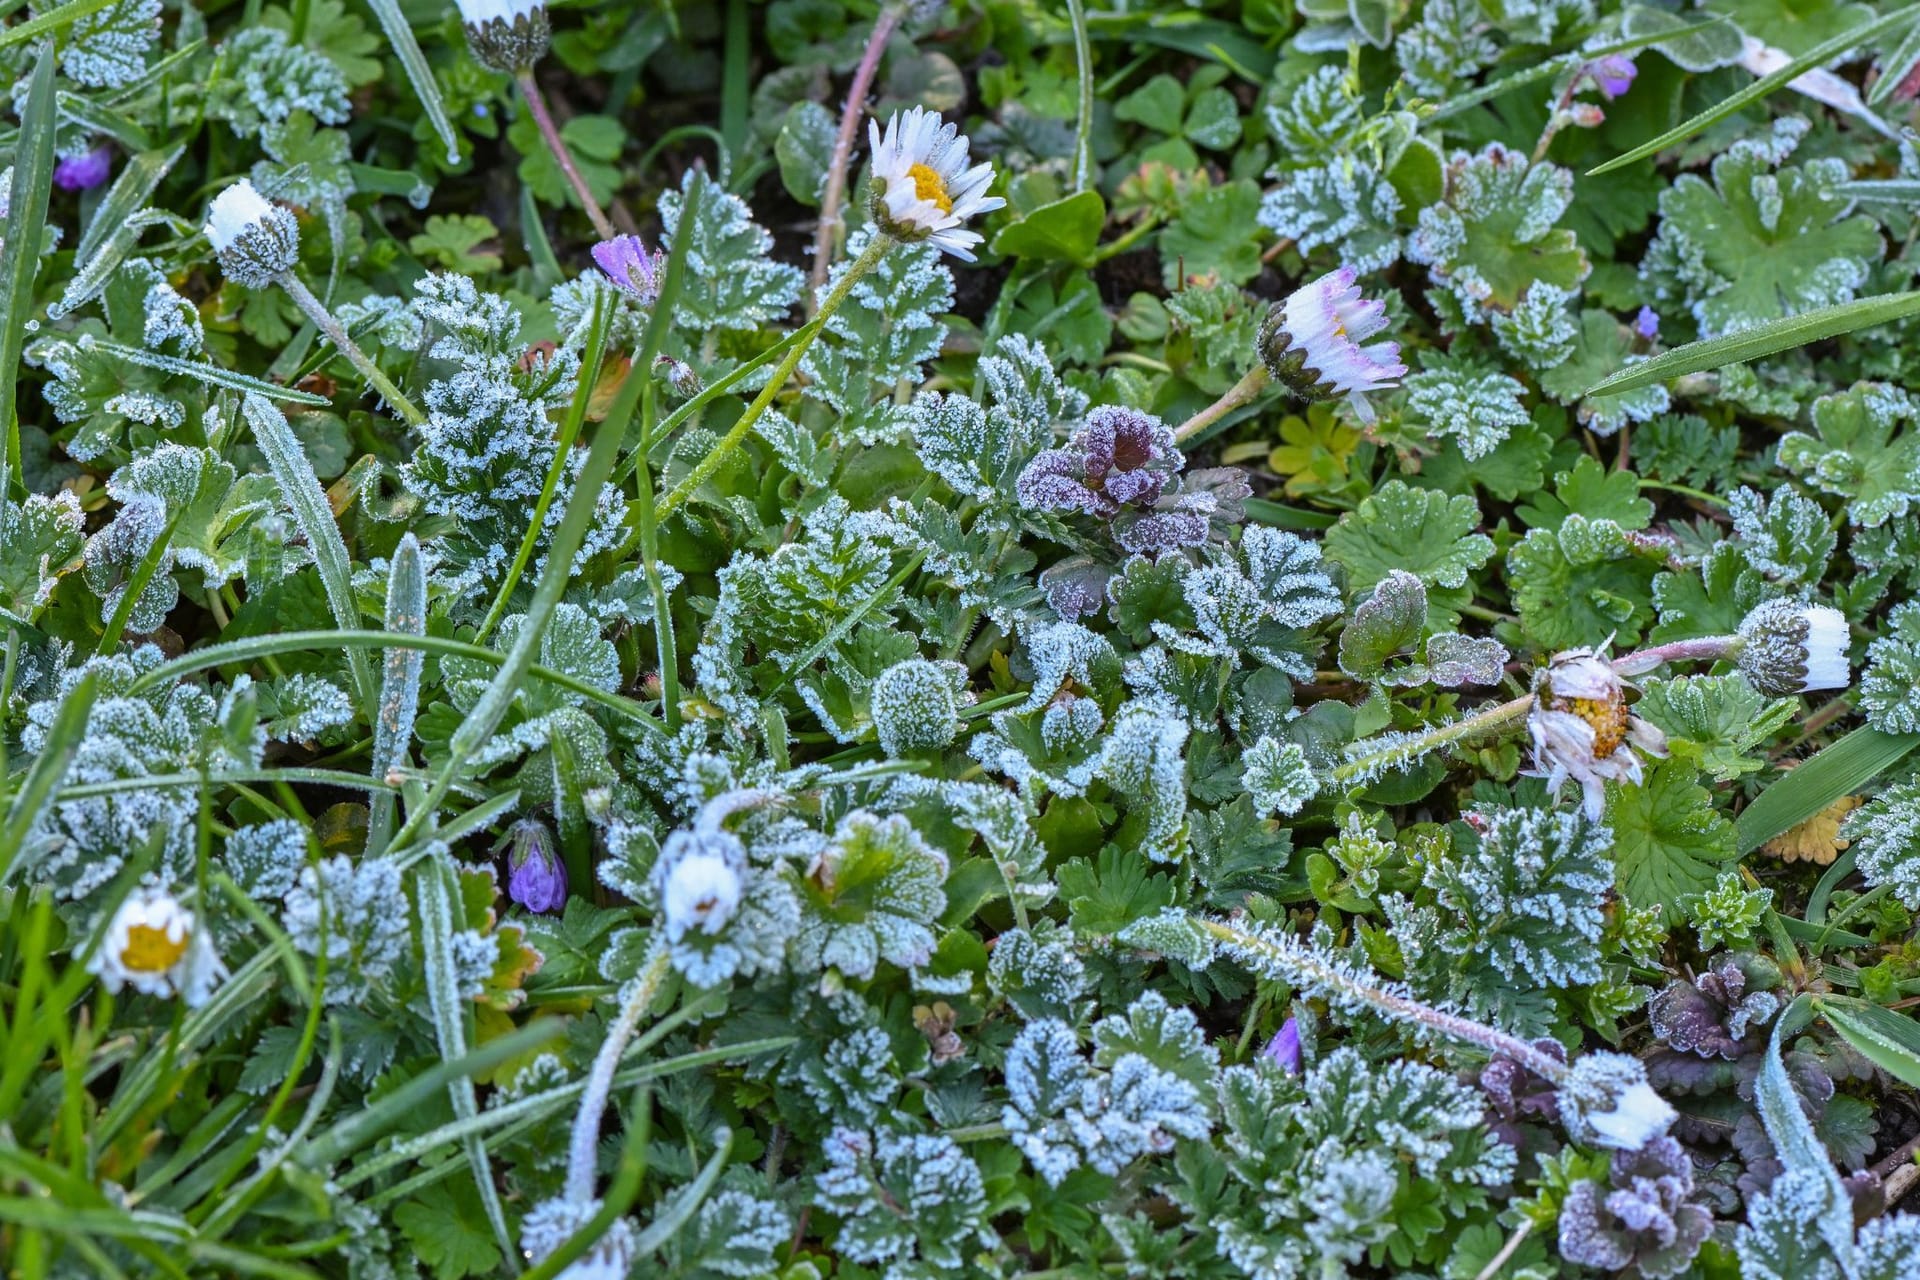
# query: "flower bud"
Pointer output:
{"type": "Point", "coordinates": [506, 35]}
{"type": "Point", "coordinates": [1311, 343]}
{"type": "Point", "coordinates": [535, 877]}
{"type": "Point", "coordinates": [1788, 648]}
{"type": "Point", "coordinates": [255, 239]}
{"type": "Point", "coordinates": [1605, 1101]}
{"type": "Point", "coordinates": [633, 269]}
{"type": "Point", "coordinates": [677, 374]}
{"type": "Point", "coordinates": [85, 171]}
{"type": "Point", "coordinates": [1284, 1049]}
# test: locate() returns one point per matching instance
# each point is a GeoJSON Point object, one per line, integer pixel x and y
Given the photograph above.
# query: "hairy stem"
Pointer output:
{"type": "Point", "coordinates": [543, 120]}
{"type": "Point", "coordinates": [1492, 720]}
{"type": "Point", "coordinates": [585, 1139]}
{"type": "Point", "coordinates": [1241, 392]}
{"type": "Point", "coordinates": [826, 236]}
{"type": "Point", "coordinates": [317, 312]}
{"type": "Point", "coordinates": [876, 249]}
{"type": "Point", "coordinates": [1705, 649]}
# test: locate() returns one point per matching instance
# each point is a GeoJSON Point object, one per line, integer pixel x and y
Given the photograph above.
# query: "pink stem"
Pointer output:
{"type": "Point", "coordinates": [543, 120]}
{"type": "Point", "coordinates": [1706, 649]}
{"type": "Point", "coordinates": [823, 237]}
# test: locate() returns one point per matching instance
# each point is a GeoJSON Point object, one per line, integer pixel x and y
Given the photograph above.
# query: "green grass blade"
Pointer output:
{"type": "Point", "coordinates": [1774, 336]}
{"type": "Point", "coordinates": [1839, 770]}
{"type": "Point", "coordinates": [56, 19]}
{"type": "Point", "coordinates": [211, 374]}
{"type": "Point", "coordinates": [399, 680]}
{"type": "Point", "coordinates": [1818, 56]}
{"type": "Point", "coordinates": [301, 487]}
{"type": "Point", "coordinates": [400, 36]}
{"type": "Point", "coordinates": [48, 768]}
{"type": "Point", "coordinates": [129, 194]}
{"type": "Point", "coordinates": [1889, 1040]}
{"type": "Point", "coordinates": [1895, 67]}
{"type": "Point", "coordinates": [436, 898]}
{"type": "Point", "coordinates": [361, 1127]}
{"type": "Point", "coordinates": [20, 258]}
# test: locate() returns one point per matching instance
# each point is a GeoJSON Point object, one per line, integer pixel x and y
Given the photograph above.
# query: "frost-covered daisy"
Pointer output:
{"type": "Point", "coordinates": [156, 946]}
{"type": "Point", "coordinates": [506, 35]}
{"type": "Point", "coordinates": [1582, 730]}
{"type": "Point", "coordinates": [701, 892]}
{"type": "Point", "coordinates": [1605, 1101]}
{"type": "Point", "coordinates": [1788, 648]}
{"type": "Point", "coordinates": [551, 1223]}
{"type": "Point", "coordinates": [256, 240]}
{"type": "Point", "coordinates": [1312, 343]}
{"type": "Point", "coordinates": [923, 189]}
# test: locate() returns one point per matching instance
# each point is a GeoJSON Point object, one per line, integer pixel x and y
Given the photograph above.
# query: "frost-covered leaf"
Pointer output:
{"type": "Point", "coordinates": [1384, 625]}
{"type": "Point", "coordinates": [1858, 452]}
{"type": "Point", "coordinates": [1493, 236]}
{"type": "Point", "coordinates": [1468, 399]}
{"type": "Point", "coordinates": [1668, 838]}
{"type": "Point", "coordinates": [1716, 721]}
{"type": "Point", "coordinates": [1419, 531]}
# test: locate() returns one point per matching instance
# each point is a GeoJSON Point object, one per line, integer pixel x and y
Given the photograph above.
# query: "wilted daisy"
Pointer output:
{"type": "Point", "coordinates": [923, 189]}
{"type": "Point", "coordinates": [1311, 343]}
{"type": "Point", "coordinates": [634, 269]}
{"type": "Point", "coordinates": [156, 946]}
{"type": "Point", "coordinates": [1582, 729]}
{"type": "Point", "coordinates": [505, 35]}
{"type": "Point", "coordinates": [256, 240]}
{"type": "Point", "coordinates": [703, 887]}
{"type": "Point", "coordinates": [1788, 648]}
{"type": "Point", "coordinates": [551, 1223]}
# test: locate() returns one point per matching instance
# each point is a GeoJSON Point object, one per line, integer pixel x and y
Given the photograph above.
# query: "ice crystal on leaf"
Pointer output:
{"type": "Point", "coordinates": [978, 449]}
{"type": "Point", "coordinates": [730, 282]}
{"type": "Point", "coordinates": [1886, 839]}
{"type": "Point", "coordinates": [911, 1203]}
{"type": "Point", "coordinates": [268, 78]}
{"type": "Point", "coordinates": [870, 895]}
{"type": "Point", "coordinates": [1493, 237]}
{"type": "Point", "coordinates": [1890, 689]}
{"type": "Point", "coordinates": [354, 913]}
{"type": "Point", "coordinates": [1858, 452]}
{"type": "Point", "coordinates": [1278, 777]}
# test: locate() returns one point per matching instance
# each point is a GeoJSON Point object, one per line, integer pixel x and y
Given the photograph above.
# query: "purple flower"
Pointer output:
{"type": "Point", "coordinates": [1647, 324]}
{"type": "Point", "coordinates": [535, 878]}
{"type": "Point", "coordinates": [84, 172]}
{"type": "Point", "coordinates": [1284, 1048]}
{"type": "Point", "coordinates": [633, 268]}
{"type": "Point", "coordinates": [1612, 75]}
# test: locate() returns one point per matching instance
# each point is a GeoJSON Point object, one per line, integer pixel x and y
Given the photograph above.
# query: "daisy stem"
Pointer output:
{"type": "Point", "coordinates": [1083, 120]}
{"type": "Point", "coordinates": [543, 120]}
{"type": "Point", "coordinates": [1303, 966]}
{"type": "Point", "coordinates": [876, 249]}
{"type": "Point", "coordinates": [584, 1144]}
{"type": "Point", "coordinates": [1492, 720]}
{"type": "Point", "coordinates": [317, 312]}
{"type": "Point", "coordinates": [1241, 392]}
{"type": "Point", "coordinates": [1705, 649]}
{"type": "Point", "coordinates": [827, 233]}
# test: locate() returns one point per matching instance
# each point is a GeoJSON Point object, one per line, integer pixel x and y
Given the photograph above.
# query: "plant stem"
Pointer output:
{"type": "Point", "coordinates": [1705, 649]}
{"type": "Point", "coordinates": [317, 312]}
{"type": "Point", "coordinates": [876, 249]}
{"type": "Point", "coordinates": [543, 120]}
{"type": "Point", "coordinates": [1241, 392]}
{"type": "Point", "coordinates": [1493, 719]}
{"type": "Point", "coordinates": [585, 1140]}
{"type": "Point", "coordinates": [1083, 122]}
{"type": "Point", "coordinates": [826, 235]}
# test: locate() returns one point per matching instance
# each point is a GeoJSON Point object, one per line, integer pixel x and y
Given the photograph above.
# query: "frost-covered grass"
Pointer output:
{"type": "Point", "coordinates": [890, 641]}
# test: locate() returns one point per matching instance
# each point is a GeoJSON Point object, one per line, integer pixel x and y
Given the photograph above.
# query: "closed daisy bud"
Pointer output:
{"type": "Point", "coordinates": [1582, 730]}
{"type": "Point", "coordinates": [677, 374]}
{"type": "Point", "coordinates": [255, 239]}
{"type": "Point", "coordinates": [505, 35]}
{"type": "Point", "coordinates": [922, 187]}
{"type": "Point", "coordinates": [1311, 343]}
{"type": "Point", "coordinates": [702, 888]}
{"type": "Point", "coordinates": [156, 946]}
{"type": "Point", "coordinates": [551, 1223]}
{"type": "Point", "coordinates": [1605, 1101]}
{"type": "Point", "coordinates": [1788, 648]}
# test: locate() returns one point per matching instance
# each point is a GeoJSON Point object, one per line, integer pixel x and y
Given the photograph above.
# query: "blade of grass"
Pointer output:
{"type": "Point", "coordinates": [129, 194]}
{"type": "Point", "coordinates": [425, 88]}
{"type": "Point", "coordinates": [1467, 100]}
{"type": "Point", "coordinates": [211, 374]}
{"type": "Point", "coordinates": [48, 768]}
{"type": "Point", "coordinates": [20, 256]}
{"type": "Point", "coordinates": [399, 682]}
{"type": "Point", "coordinates": [436, 898]}
{"type": "Point", "coordinates": [1839, 770]}
{"type": "Point", "coordinates": [1774, 336]}
{"type": "Point", "coordinates": [56, 19]}
{"type": "Point", "coordinates": [301, 487]}
{"type": "Point", "coordinates": [1818, 56]}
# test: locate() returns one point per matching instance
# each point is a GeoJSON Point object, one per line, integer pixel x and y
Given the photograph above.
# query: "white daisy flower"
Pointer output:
{"type": "Point", "coordinates": [155, 946]}
{"type": "Point", "coordinates": [701, 892]}
{"type": "Point", "coordinates": [1605, 1101]}
{"type": "Point", "coordinates": [255, 239]}
{"type": "Point", "coordinates": [923, 189]}
{"type": "Point", "coordinates": [1788, 648]}
{"type": "Point", "coordinates": [1582, 730]}
{"type": "Point", "coordinates": [551, 1223]}
{"type": "Point", "coordinates": [1312, 343]}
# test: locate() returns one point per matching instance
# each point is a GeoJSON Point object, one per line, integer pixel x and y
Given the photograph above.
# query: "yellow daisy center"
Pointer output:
{"type": "Point", "coordinates": [150, 950]}
{"type": "Point", "coordinates": [929, 185]}
{"type": "Point", "coordinates": [1608, 718]}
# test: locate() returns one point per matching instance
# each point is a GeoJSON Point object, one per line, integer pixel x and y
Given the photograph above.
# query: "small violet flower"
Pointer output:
{"type": "Point", "coordinates": [1647, 324]}
{"type": "Point", "coordinates": [84, 172]}
{"type": "Point", "coordinates": [536, 879]}
{"type": "Point", "coordinates": [634, 269]}
{"type": "Point", "coordinates": [1284, 1049]}
{"type": "Point", "coordinates": [1612, 75]}
{"type": "Point", "coordinates": [1311, 343]}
